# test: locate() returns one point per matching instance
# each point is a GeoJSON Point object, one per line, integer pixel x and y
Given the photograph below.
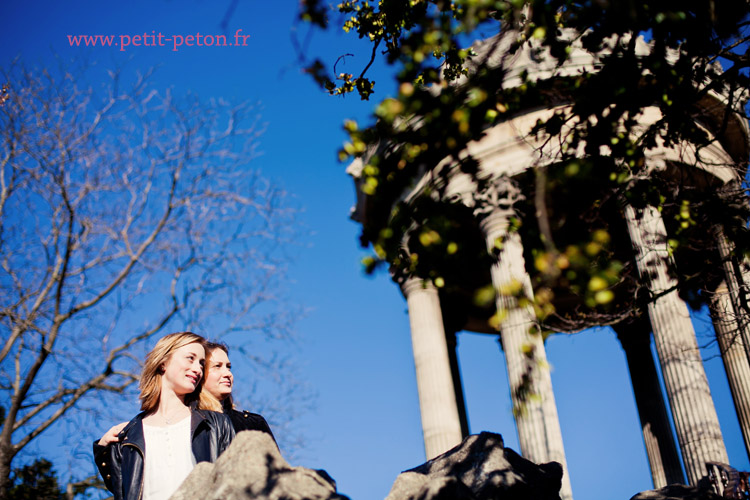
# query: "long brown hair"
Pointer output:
{"type": "Point", "coordinates": [150, 384]}
{"type": "Point", "coordinates": [228, 402]}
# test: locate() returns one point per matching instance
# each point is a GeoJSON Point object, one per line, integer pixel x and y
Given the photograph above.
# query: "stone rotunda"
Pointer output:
{"type": "Point", "coordinates": [506, 154]}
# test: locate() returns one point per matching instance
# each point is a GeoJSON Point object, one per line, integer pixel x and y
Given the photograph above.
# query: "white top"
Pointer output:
{"type": "Point", "coordinates": [168, 459]}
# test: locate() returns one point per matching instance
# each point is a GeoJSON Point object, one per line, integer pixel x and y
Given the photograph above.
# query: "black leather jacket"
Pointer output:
{"type": "Point", "coordinates": [246, 421]}
{"type": "Point", "coordinates": [121, 463]}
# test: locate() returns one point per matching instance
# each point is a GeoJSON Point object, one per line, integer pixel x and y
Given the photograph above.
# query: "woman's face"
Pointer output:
{"type": "Point", "coordinates": [219, 378]}
{"type": "Point", "coordinates": [184, 369]}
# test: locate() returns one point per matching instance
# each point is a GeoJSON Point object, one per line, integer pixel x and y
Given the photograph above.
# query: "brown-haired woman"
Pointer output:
{"type": "Point", "coordinates": [154, 452]}
{"type": "Point", "coordinates": [219, 383]}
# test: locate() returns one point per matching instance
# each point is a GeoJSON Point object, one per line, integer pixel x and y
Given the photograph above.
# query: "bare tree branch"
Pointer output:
{"type": "Point", "coordinates": [124, 213]}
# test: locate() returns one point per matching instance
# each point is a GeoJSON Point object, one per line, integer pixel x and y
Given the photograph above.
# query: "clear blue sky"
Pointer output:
{"type": "Point", "coordinates": [354, 349]}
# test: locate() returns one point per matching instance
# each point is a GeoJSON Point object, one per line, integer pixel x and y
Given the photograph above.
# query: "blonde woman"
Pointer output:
{"type": "Point", "coordinates": [219, 384]}
{"type": "Point", "coordinates": [153, 453]}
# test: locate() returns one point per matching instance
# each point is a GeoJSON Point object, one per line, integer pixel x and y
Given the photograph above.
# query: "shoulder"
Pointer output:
{"type": "Point", "coordinates": [216, 420]}
{"type": "Point", "coordinates": [248, 416]}
{"type": "Point", "coordinates": [209, 415]}
{"type": "Point", "coordinates": [248, 421]}
{"type": "Point", "coordinates": [132, 432]}
{"type": "Point", "coordinates": [135, 425]}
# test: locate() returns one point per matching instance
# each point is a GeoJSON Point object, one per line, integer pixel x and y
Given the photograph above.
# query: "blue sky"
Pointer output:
{"type": "Point", "coordinates": [353, 346]}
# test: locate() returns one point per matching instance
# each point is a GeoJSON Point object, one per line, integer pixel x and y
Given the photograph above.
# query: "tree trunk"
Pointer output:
{"type": "Point", "coordinates": [5, 459]}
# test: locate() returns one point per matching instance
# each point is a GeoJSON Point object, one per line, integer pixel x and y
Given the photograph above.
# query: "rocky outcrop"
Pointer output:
{"type": "Point", "coordinates": [480, 468]}
{"type": "Point", "coordinates": [679, 492]}
{"type": "Point", "coordinates": [253, 468]}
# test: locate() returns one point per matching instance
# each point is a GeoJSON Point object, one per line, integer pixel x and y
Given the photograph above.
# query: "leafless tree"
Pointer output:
{"type": "Point", "coordinates": [125, 213]}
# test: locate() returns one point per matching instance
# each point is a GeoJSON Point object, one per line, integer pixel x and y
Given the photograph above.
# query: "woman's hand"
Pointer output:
{"type": "Point", "coordinates": [111, 435]}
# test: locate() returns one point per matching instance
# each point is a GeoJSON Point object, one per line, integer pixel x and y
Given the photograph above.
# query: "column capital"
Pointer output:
{"type": "Point", "coordinates": [495, 223]}
{"type": "Point", "coordinates": [414, 283]}
{"type": "Point", "coordinates": [494, 204]}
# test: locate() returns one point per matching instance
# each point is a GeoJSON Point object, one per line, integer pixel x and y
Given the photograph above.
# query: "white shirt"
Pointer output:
{"type": "Point", "coordinates": [168, 459]}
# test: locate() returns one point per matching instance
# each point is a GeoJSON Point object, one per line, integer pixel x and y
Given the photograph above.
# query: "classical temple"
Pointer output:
{"type": "Point", "coordinates": [506, 153]}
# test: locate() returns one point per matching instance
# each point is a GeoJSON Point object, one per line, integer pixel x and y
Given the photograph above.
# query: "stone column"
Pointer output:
{"type": "Point", "coordinates": [457, 384]}
{"type": "Point", "coordinates": [441, 425]}
{"type": "Point", "coordinates": [693, 411]}
{"type": "Point", "coordinates": [732, 349]}
{"type": "Point", "coordinates": [736, 284]}
{"type": "Point", "coordinates": [538, 425]}
{"type": "Point", "coordinates": [663, 459]}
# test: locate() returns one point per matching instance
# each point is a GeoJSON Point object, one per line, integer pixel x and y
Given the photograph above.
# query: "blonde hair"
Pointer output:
{"type": "Point", "coordinates": [228, 402]}
{"type": "Point", "coordinates": [150, 384]}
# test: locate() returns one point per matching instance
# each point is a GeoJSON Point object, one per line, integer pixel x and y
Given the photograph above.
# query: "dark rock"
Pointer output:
{"type": "Point", "coordinates": [480, 468]}
{"type": "Point", "coordinates": [679, 492]}
{"type": "Point", "coordinates": [253, 468]}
